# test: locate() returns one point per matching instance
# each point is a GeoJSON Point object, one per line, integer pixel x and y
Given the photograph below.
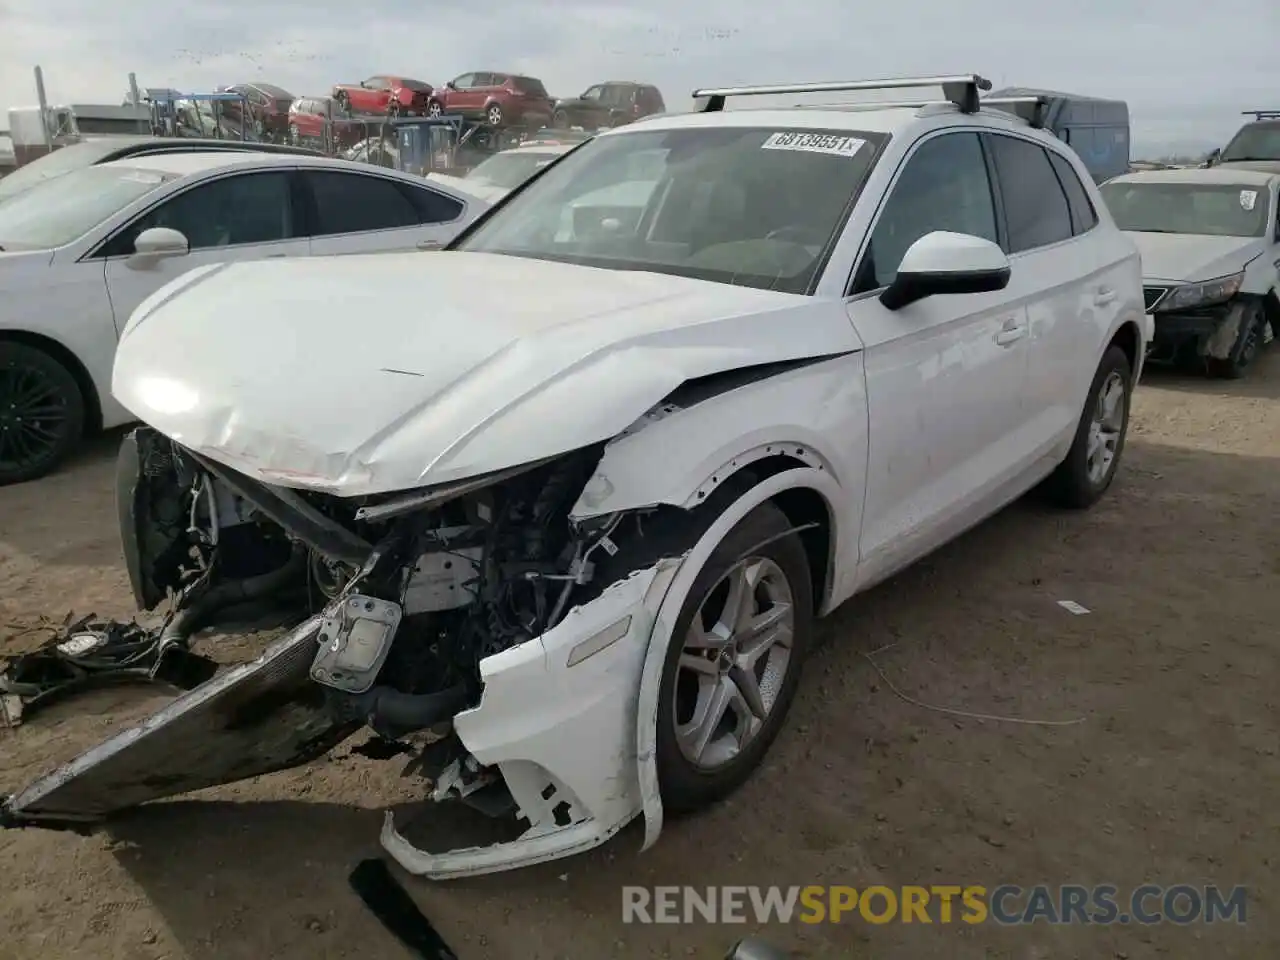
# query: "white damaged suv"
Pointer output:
{"type": "Point", "coordinates": [570, 494]}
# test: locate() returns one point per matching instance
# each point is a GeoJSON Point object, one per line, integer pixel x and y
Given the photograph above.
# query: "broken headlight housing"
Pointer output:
{"type": "Point", "coordinates": [1205, 294]}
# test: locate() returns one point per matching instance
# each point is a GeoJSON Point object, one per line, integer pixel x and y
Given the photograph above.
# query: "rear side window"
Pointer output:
{"type": "Point", "coordinates": [530, 86]}
{"type": "Point", "coordinates": [1083, 217]}
{"type": "Point", "coordinates": [432, 207]}
{"type": "Point", "coordinates": [1035, 208]}
{"type": "Point", "coordinates": [355, 203]}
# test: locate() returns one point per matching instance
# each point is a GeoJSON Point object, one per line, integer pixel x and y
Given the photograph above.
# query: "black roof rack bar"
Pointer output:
{"type": "Point", "coordinates": [962, 90]}
{"type": "Point", "coordinates": [1261, 114]}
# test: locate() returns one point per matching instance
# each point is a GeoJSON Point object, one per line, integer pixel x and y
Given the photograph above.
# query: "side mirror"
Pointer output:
{"type": "Point", "coordinates": [753, 949]}
{"type": "Point", "coordinates": [156, 244]}
{"type": "Point", "coordinates": [947, 263]}
{"type": "Point", "coordinates": [450, 85]}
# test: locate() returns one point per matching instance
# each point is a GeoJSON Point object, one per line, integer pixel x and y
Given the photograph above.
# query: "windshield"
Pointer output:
{"type": "Point", "coordinates": [509, 170]}
{"type": "Point", "coordinates": [1254, 141]}
{"type": "Point", "coordinates": [752, 206]}
{"type": "Point", "coordinates": [55, 165]}
{"type": "Point", "coordinates": [1215, 210]}
{"type": "Point", "coordinates": [59, 211]}
{"type": "Point", "coordinates": [417, 85]}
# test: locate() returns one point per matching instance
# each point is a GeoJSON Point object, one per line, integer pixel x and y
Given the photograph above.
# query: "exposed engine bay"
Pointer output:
{"type": "Point", "coordinates": [400, 598]}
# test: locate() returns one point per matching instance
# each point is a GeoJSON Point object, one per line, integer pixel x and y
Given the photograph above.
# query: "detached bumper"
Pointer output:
{"type": "Point", "coordinates": [558, 721]}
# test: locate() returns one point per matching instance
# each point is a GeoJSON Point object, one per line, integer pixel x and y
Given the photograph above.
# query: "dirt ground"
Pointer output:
{"type": "Point", "coordinates": [1171, 777]}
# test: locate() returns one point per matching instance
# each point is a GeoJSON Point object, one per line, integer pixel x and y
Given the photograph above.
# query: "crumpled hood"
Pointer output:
{"type": "Point", "coordinates": [370, 374]}
{"type": "Point", "coordinates": [1186, 258]}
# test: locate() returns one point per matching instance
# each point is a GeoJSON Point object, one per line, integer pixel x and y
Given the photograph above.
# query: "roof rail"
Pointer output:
{"type": "Point", "coordinates": [1261, 114]}
{"type": "Point", "coordinates": [1031, 110]}
{"type": "Point", "coordinates": [961, 89]}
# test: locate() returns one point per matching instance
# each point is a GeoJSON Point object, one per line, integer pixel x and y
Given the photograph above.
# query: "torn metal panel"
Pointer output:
{"type": "Point", "coordinates": [255, 718]}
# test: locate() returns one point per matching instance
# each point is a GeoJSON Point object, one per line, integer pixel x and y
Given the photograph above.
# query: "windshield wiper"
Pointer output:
{"type": "Point", "coordinates": [1249, 160]}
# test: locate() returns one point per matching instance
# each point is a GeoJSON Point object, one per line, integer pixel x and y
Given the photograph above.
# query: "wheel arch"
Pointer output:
{"type": "Point", "coordinates": [1128, 337]}
{"type": "Point", "coordinates": [796, 486]}
{"type": "Point", "coordinates": [55, 349]}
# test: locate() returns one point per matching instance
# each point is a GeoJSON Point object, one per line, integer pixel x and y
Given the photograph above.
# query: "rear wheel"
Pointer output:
{"type": "Point", "coordinates": [434, 108]}
{"type": "Point", "coordinates": [734, 662]}
{"type": "Point", "coordinates": [41, 412]}
{"type": "Point", "coordinates": [560, 120]}
{"type": "Point", "coordinates": [493, 114]}
{"type": "Point", "coordinates": [1094, 457]}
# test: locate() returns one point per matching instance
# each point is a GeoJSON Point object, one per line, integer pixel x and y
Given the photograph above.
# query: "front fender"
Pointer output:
{"type": "Point", "coordinates": [815, 415]}
{"type": "Point", "coordinates": [665, 621]}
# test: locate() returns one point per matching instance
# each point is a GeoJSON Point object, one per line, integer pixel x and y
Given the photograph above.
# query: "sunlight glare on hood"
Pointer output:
{"type": "Point", "coordinates": [167, 396]}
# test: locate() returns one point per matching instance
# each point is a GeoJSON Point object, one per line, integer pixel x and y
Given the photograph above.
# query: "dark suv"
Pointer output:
{"type": "Point", "coordinates": [609, 105]}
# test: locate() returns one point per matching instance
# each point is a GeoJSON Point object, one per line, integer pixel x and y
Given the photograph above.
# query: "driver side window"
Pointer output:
{"type": "Point", "coordinates": [464, 82]}
{"type": "Point", "coordinates": [242, 209]}
{"type": "Point", "coordinates": [594, 93]}
{"type": "Point", "coordinates": [944, 186]}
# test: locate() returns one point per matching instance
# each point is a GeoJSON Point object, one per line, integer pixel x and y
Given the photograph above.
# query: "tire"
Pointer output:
{"type": "Point", "coordinates": [343, 101]}
{"type": "Point", "coordinates": [36, 388]}
{"type": "Point", "coordinates": [294, 136]}
{"type": "Point", "coordinates": [1073, 484]}
{"type": "Point", "coordinates": [434, 108]}
{"type": "Point", "coordinates": [493, 114]}
{"type": "Point", "coordinates": [560, 120]}
{"type": "Point", "coordinates": [685, 783]}
{"type": "Point", "coordinates": [1246, 348]}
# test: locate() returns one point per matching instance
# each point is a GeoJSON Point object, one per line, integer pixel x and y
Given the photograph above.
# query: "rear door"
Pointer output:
{"type": "Point", "coordinates": [1070, 274]}
{"type": "Point", "coordinates": [239, 216]}
{"type": "Point", "coordinates": [353, 212]}
{"type": "Point", "coordinates": [944, 375]}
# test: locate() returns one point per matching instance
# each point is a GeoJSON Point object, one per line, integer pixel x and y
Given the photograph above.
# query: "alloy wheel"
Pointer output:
{"type": "Point", "coordinates": [1106, 427]}
{"type": "Point", "coordinates": [735, 657]}
{"type": "Point", "coordinates": [34, 418]}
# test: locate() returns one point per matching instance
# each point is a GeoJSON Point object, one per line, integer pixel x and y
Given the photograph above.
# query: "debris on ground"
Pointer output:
{"type": "Point", "coordinates": [90, 653]}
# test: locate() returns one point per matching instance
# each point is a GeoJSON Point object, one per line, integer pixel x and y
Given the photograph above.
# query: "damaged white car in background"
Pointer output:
{"type": "Point", "coordinates": [1210, 244]}
{"type": "Point", "coordinates": [571, 500]}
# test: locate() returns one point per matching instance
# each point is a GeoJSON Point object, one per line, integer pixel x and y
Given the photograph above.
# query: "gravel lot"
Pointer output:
{"type": "Point", "coordinates": [1171, 778]}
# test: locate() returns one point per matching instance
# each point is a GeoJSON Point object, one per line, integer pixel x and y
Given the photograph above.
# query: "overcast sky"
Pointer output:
{"type": "Point", "coordinates": [1187, 68]}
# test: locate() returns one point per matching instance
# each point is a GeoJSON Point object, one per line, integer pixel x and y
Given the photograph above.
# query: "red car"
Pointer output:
{"type": "Point", "coordinates": [393, 96]}
{"type": "Point", "coordinates": [268, 108]}
{"type": "Point", "coordinates": [309, 117]}
{"type": "Point", "coordinates": [499, 99]}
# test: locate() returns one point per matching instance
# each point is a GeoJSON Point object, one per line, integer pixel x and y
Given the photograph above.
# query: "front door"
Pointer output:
{"type": "Point", "coordinates": [241, 216]}
{"type": "Point", "coordinates": [945, 375]}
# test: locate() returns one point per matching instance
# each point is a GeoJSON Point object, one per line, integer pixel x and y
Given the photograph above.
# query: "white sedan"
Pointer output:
{"type": "Point", "coordinates": [78, 254]}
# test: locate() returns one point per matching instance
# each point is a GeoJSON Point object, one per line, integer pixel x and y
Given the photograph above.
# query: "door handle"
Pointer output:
{"type": "Point", "coordinates": [1010, 333]}
{"type": "Point", "coordinates": [429, 245]}
{"type": "Point", "coordinates": [1104, 297]}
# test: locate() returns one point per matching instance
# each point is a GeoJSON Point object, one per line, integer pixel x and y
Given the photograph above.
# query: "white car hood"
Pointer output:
{"type": "Point", "coordinates": [369, 374]}
{"type": "Point", "coordinates": [1185, 258]}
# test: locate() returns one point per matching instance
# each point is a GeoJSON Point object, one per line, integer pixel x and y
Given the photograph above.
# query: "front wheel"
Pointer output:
{"type": "Point", "coordinates": [434, 109]}
{"type": "Point", "coordinates": [1248, 344]}
{"type": "Point", "coordinates": [41, 412]}
{"type": "Point", "coordinates": [494, 115]}
{"type": "Point", "coordinates": [1091, 464]}
{"type": "Point", "coordinates": [734, 662]}
{"type": "Point", "coordinates": [560, 120]}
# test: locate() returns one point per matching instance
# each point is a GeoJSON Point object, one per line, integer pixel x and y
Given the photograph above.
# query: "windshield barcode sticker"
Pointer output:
{"type": "Point", "coordinates": [814, 143]}
{"type": "Point", "coordinates": [1247, 199]}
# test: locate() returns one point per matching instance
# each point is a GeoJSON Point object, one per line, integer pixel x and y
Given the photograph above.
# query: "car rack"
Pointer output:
{"type": "Point", "coordinates": [1261, 114]}
{"type": "Point", "coordinates": [962, 90]}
